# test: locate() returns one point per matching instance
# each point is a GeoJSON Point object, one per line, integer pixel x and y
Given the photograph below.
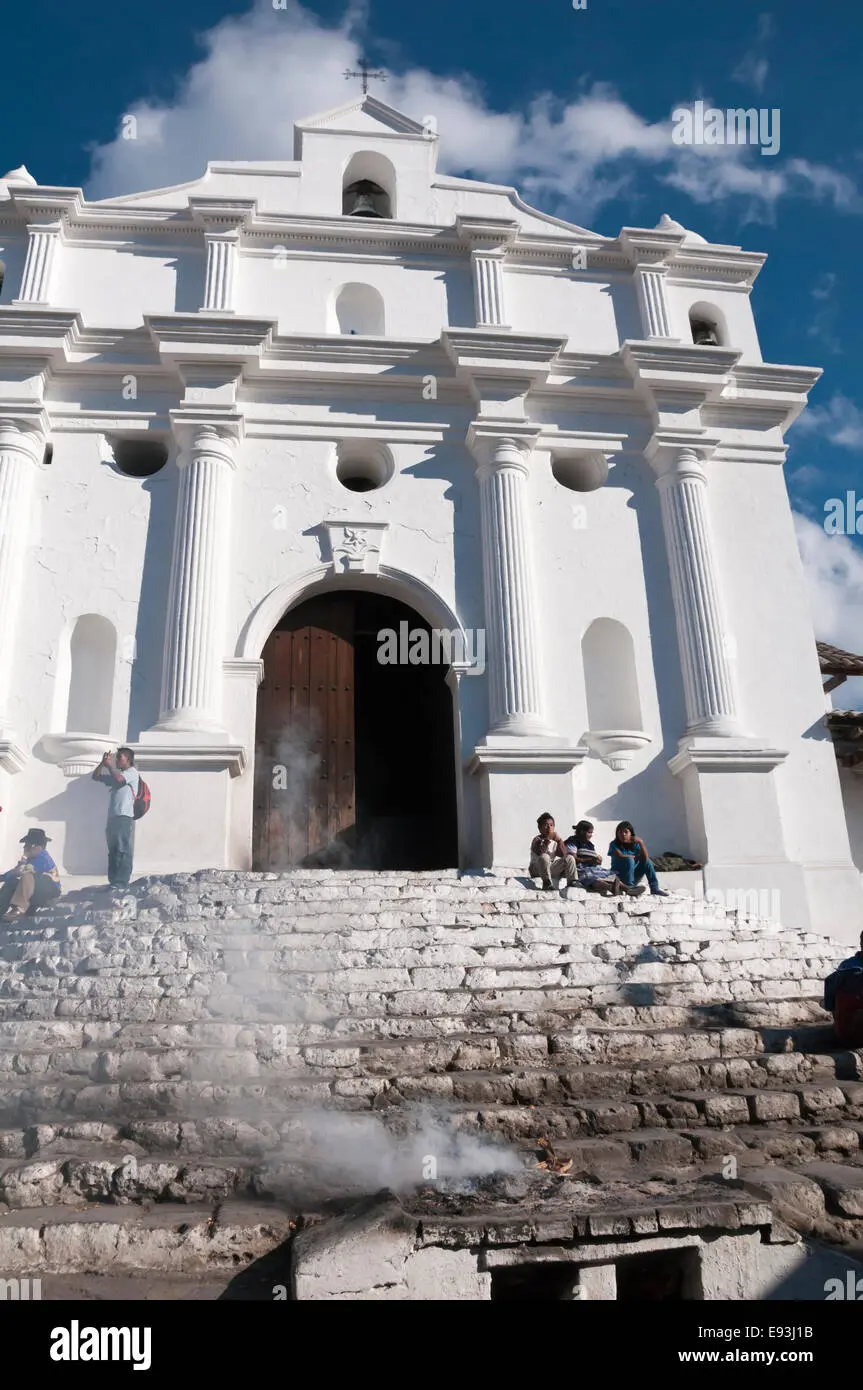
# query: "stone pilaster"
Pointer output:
{"type": "Point", "coordinates": [488, 288]}
{"type": "Point", "coordinates": [39, 264]}
{"type": "Point", "coordinates": [222, 255]}
{"type": "Point", "coordinates": [22, 444]}
{"type": "Point", "coordinates": [222, 220]}
{"type": "Point", "coordinates": [708, 681]}
{"type": "Point", "coordinates": [488, 239]}
{"type": "Point", "coordinates": [653, 301]}
{"type": "Point", "coordinates": [200, 576]}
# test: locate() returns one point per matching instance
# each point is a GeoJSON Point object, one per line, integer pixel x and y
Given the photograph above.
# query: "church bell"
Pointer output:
{"type": "Point", "coordinates": [360, 200]}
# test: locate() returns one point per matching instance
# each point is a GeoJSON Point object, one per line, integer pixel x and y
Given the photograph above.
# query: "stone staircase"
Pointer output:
{"type": "Point", "coordinates": [247, 1049]}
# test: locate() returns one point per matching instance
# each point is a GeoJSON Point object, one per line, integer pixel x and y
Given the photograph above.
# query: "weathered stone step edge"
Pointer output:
{"type": "Point", "coordinates": [118, 986]}
{"type": "Point", "coordinates": [116, 1174]}
{"type": "Point", "coordinates": [513, 930]}
{"type": "Point", "coordinates": [775, 1035]}
{"type": "Point", "coordinates": [296, 1141]}
{"type": "Point", "coordinates": [119, 1173]}
{"type": "Point", "coordinates": [117, 1013]}
{"type": "Point", "coordinates": [109, 1238]}
{"type": "Point", "coordinates": [331, 945]}
{"type": "Point", "coordinates": [214, 1065]}
{"type": "Point", "coordinates": [449, 1094]}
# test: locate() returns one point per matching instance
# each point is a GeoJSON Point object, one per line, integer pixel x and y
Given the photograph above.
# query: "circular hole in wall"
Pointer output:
{"type": "Point", "coordinates": [580, 472]}
{"type": "Point", "coordinates": [140, 458]}
{"type": "Point", "coordinates": [363, 468]}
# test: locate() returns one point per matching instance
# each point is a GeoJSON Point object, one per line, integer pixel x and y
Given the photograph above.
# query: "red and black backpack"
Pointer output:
{"type": "Point", "coordinates": [141, 804]}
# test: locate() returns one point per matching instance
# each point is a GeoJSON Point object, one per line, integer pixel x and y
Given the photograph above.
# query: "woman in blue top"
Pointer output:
{"type": "Point", "coordinates": [588, 861]}
{"type": "Point", "coordinates": [630, 860]}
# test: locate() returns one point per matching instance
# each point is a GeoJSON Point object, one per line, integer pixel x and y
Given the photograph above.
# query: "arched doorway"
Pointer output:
{"type": "Point", "coordinates": [355, 757]}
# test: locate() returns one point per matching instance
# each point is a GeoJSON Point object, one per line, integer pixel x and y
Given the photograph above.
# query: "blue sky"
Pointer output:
{"type": "Point", "coordinates": [573, 106]}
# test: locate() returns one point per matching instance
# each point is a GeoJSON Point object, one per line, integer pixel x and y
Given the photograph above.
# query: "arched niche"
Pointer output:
{"type": "Point", "coordinates": [368, 167]}
{"type": "Point", "coordinates": [92, 660]}
{"type": "Point", "coordinates": [358, 309]}
{"type": "Point", "coordinates": [611, 685]}
{"type": "Point", "coordinates": [707, 325]}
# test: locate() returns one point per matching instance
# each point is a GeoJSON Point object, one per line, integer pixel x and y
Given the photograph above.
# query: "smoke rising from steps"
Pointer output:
{"type": "Point", "coordinates": [351, 1155]}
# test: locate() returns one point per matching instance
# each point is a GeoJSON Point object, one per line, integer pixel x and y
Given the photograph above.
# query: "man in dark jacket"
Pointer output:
{"type": "Point", "coordinates": [34, 880]}
{"type": "Point", "coordinates": [840, 974]}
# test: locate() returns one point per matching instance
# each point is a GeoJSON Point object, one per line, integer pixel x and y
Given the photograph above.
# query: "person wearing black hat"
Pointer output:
{"type": "Point", "coordinates": [33, 882]}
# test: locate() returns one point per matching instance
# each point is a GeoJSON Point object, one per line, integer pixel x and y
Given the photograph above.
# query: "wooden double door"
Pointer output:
{"type": "Point", "coordinates": [355, 760]}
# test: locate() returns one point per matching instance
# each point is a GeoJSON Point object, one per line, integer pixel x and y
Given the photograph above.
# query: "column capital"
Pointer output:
{"type": "Point", "coordinates": [491, 235]}
{"type": "Point", "coordinates": [508, 446]}
{"type": "Point", "coordinates": [674, 454]}
{"type": "Point", "coordinates": [222, 216]}
{"type": "Point", "coordinates": [207, 434]}
{"type": "Point", "coordinates": [25, 431]}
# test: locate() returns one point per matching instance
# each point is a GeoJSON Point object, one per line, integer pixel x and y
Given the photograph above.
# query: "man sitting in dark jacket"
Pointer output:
{"type": "Point", "coordinates": [840, 975]}
{"type": "Point", "coordinates": [34, 880]}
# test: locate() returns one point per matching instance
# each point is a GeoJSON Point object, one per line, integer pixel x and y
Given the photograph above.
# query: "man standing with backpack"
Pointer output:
{"type": "Point", "coordinates": [123, 778]}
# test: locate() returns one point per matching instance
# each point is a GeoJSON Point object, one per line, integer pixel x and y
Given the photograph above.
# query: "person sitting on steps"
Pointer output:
{"type": "Point", "coordinates": [630, 860]}
{"type": "Point", "coordinates": [843, 998]}
{"type": "Point", "coordinates": [34, 880]}
{"type": "Point", "coordinates": [549, 856]}
{"type": "Point", "coordinates": [591, 874]}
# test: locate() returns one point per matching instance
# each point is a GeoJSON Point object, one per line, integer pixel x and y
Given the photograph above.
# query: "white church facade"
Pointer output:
{"type": "Point", "coordinates": [251, 423]}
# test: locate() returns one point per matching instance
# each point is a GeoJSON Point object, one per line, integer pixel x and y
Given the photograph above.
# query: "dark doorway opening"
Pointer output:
{"type": "Point", "coordinates": [355, 763]}
{"type": "Point", "coordinates": [548, 1282]}
{"type": "Point", "coordinates": [659, 1276]}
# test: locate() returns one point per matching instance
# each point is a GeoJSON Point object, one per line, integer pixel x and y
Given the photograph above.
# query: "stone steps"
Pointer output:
{"type": "Point", "coordinates": [541, 1099]}
{"type": "Point", "coordinates": [226, 1037]}
{"type": "Point", "coordinates": [774, 1025]}
{"type": "Point", "coordinates": [694, 1060]}
{"type": "Point", "coordinates": [654, 1152]}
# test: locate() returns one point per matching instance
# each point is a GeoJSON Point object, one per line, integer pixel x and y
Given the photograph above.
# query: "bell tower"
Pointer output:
{"type": "Point", "coordinates": [367, 160]}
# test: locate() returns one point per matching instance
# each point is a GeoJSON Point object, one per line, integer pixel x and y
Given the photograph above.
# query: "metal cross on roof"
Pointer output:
{"type": "Point", "coordinates": [365, 73]}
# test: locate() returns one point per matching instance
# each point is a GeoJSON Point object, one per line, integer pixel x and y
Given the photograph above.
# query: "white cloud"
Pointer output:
{"type": "Point", "coordinates": [751, 71]}
{"type": "Point", "coordinates": [834, 571]}
{"type": "Point", "coordinates": [840, 421]}
{"type": "Point", "coordinates": [263, 70]}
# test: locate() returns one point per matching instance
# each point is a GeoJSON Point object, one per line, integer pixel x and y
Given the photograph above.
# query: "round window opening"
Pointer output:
{"type": "Point", "coordinates": [364, 471]}
{"type": "Point", "coordinates": [140, 458]}
{"type": "Point", "coordinates": [580, 472]}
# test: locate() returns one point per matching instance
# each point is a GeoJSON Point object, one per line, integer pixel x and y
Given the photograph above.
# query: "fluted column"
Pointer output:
{"type": "Point", "coordinates": [200, 576]}
{"type": "Point", "coordinates": [488, 289]}
{"type": "Point", "coordinates": [711, 702]}
{"type": "Point", "coordinates": [653, 301]}
{"type": "Point", "coordinates": [41, 255]}
{"type": "Point", "coordinates": [21, 450]}
{"type": "Point", "coordinates": [512, 610]}
{"type": "Point", "coordinates": [222, 251]}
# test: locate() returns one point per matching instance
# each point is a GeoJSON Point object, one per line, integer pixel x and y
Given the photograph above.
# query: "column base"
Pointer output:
{"type": "Point", "coordinates": [521, 727]}
{"type": "Point", "coordinates": [188, 720]}
{"type": "Point", "coordinates": [732, 810]}
{"type": "Point", "coordinates": [725, 753]}
{"type": "Point", "coordinates": [13, 757]}
{"type": "Point", "coordinates": [520, 778]}
{"type": "Point", "coordinates": [735, 830]}
{"type": "Point", "coordinates": [199, 750]}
